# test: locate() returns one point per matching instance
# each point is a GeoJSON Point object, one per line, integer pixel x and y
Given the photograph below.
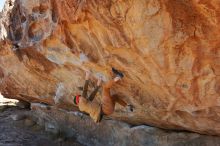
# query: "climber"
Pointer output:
{"type": "Point", "coordinates": [107, 106]}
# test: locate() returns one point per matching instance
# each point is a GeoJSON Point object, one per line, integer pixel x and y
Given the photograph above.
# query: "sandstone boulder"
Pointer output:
{"type": "Point", "coordinates": [167, 49]}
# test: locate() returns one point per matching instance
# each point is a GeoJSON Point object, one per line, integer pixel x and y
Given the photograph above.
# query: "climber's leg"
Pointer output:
{"type": "Point", "coordinates": [85, 88]}
{"type": "Point", "coordinates": [108, 102]}
{"type": "Point", "coordinates": [119, 100]}
{"type": "Point", "coordinates": [108, 85]}
{"type": "Point", "coordinates": [92, 95]}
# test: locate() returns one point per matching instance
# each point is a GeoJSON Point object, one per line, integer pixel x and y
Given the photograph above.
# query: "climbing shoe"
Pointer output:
{"type": "Point", "coordinates": [117, 72]}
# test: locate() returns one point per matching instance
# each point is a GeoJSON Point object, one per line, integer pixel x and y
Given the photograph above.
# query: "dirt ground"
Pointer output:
{"type": "Point", "coordinates": [24, 132]}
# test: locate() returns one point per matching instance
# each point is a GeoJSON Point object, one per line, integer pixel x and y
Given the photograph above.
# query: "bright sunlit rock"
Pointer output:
{"type": "Point", "coordinates": [6, 101]}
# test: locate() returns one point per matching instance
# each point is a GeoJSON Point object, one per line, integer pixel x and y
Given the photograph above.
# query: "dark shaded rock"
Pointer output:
{"type": "Point", "coordinates": [23, 104]}
{"type": "Point", "coordinates": [35, 31]}
{"type": "Point", "coordinates": [17, 117]}
{"type": "Point", "coordinates": [29, 123]}
{"type": "Point", "coordinates": [1, 73]}
{"type": "Point", "coordinates": [110, 132]}
{"type": "Point", "coordinates": [15, 133]}
{"type": "Point", "coordinates": [18, 34]}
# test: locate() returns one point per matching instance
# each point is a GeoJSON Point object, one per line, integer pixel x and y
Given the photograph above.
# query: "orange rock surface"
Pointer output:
{"type": "Point", "coordinates": [167, 49]}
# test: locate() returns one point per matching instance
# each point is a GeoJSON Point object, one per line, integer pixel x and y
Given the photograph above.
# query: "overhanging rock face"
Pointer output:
{"type": "Point", "coordinates": [167, 49]}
